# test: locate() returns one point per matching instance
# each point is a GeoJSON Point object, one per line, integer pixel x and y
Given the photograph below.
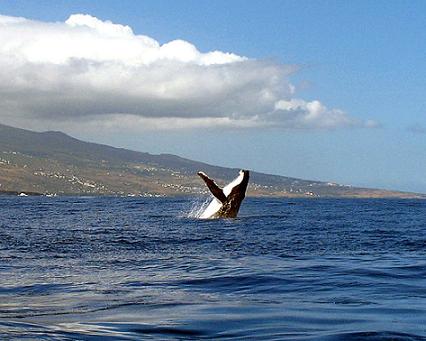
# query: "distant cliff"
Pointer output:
{"type": "Point", "coordinates": [55, 163]}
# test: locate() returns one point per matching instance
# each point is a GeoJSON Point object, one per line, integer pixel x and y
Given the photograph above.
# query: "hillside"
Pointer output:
{"type": "Point", "coordinates": [55, 163]}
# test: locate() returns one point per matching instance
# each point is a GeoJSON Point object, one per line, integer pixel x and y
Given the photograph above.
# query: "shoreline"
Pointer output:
{"type": "Point", "coordinates": [403, 196]}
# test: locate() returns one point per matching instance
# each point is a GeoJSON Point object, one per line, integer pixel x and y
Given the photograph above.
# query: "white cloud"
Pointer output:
{"type": "Point", "coordinates": [87, 71]}
{"type": "Point", "coordinates": [300, 114]}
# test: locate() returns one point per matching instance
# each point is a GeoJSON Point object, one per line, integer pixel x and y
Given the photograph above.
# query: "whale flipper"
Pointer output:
{"type": "Point", "coordinates": [226, 202]}
{"type": "Point", "coordinates": [215, 189]}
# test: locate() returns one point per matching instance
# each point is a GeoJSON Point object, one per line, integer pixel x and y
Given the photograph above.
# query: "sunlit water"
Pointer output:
{"type": "Point", "coordinates": [146, 268]}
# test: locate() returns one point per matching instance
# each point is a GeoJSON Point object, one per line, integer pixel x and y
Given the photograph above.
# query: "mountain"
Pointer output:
{"type": "Point", "coordinates": [55, 163]}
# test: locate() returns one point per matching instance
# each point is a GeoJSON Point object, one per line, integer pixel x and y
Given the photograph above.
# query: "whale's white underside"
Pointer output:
{"type": "Point", "coordinates": [215, 204]}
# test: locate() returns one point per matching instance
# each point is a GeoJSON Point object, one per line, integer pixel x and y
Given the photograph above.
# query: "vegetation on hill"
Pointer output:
{"type": "Point", "coordinates": [55, 163]}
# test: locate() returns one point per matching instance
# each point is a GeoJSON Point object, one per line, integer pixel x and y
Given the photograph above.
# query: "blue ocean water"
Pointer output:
{"type": "Point", "coordinates": [77, 268]}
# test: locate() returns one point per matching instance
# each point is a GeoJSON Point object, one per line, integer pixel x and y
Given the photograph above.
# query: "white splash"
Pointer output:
{"type": "Point", "coordinates": [197, 208]}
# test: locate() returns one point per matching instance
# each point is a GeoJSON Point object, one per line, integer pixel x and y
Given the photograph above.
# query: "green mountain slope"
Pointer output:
{"type": "Point", "coordinates": [55, 163]}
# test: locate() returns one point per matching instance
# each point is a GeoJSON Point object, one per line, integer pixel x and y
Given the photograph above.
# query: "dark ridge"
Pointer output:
{"type": "Point", "coordinates": [54, 162]}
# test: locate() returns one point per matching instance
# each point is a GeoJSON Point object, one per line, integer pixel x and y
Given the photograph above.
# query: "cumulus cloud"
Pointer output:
{"type": "Point", "coordinates": [89, 71]}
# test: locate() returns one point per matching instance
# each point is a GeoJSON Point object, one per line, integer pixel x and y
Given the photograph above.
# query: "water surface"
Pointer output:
{"type": "Point", "coordinates": [144, 268]}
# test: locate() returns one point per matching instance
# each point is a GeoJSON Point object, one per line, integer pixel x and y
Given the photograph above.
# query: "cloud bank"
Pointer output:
{"type": "Point", "coordinates": [86, 71]}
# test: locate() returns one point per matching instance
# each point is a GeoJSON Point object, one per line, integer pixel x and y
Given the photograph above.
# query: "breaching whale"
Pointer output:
{"type": "Point", "coordinates": [227, 201]}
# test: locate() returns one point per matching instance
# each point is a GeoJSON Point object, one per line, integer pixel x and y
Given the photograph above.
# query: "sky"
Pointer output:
{"type": "Point", "coordinates": [330, 90]}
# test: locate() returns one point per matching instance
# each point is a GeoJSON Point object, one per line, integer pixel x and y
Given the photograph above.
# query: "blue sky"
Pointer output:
{"type": "Point", "coordinates": [364, 58]}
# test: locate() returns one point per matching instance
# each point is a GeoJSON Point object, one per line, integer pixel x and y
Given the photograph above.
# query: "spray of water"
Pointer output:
{"type": "Point", "coordinates": [198, 206]}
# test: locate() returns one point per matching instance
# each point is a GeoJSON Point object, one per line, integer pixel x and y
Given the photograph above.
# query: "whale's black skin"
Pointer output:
{"type": "Point", "coordinates": [231, 203]}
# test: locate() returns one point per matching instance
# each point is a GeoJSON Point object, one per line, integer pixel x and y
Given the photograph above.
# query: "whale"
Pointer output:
{"type": "Point", "coordinates": [227, 200]}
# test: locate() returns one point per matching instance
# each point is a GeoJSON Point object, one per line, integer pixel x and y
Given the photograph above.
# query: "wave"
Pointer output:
{"type": "Point", "coordinates": [370, 336]}
{"type": "Point", "coordinates": [196, 331]}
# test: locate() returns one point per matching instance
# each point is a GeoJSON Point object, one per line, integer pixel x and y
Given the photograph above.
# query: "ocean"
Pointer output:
{"type": "Point", "coordinates": [103, 268]}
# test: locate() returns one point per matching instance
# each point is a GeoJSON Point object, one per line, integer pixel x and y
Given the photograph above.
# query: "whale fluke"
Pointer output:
{"type": "Point", "coordinates": [227, 201]}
